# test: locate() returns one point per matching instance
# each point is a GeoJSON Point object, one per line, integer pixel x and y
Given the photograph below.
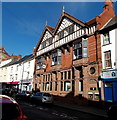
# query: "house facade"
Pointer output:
{"type": "Point", "coordinates": [26, 73]}
{"type": "Point", "coordinates": [109, 60]}
{"type": "Point", "coordinates": [68, 59]}
{"type": "Point", "coordinates": [18, 73]}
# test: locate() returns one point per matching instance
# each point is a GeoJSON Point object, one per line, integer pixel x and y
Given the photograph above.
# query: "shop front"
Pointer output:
{"type": "Point", "coordinates": [109, 79]}
{"type": "Point", "coordinates": [26, 85]}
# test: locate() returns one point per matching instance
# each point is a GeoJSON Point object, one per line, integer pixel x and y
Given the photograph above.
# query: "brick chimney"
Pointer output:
{"type": "Point", "coordinates": [19, 56]}
{"type": "Point", "coordinates": [108, 4]}
{"type": "Point", "coordinates": [107, 14]}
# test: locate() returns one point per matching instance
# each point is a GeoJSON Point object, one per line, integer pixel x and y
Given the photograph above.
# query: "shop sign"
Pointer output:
{"type": "Point", "coordinates": [109, 74]}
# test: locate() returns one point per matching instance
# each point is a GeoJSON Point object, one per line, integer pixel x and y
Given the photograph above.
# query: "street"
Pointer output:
{"type": "Point", "coordinates": [48, 112]}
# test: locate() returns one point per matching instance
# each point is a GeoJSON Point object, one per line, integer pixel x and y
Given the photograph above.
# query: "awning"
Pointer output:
{"type": "Point", "coordinates": [12, 83]}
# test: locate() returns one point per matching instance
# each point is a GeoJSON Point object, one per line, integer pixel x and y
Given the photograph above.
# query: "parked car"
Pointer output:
{"type": "Point", "coordinates": [23, 95]}
{"type": "Point", "coordinates": [112, 112]}
{"type": "Point", "coordinates": [41, 97]}
{"type": "Point", "coordinates": [10, 109]}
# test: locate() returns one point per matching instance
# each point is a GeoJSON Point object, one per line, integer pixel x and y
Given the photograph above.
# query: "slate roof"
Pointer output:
{"type": "Point", "coordinates": [25, 58]}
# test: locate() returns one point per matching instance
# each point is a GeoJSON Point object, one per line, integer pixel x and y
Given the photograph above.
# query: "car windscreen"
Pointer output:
{"type": "Point", "coordinates": [10, 111]}
{"type": "Point", "coordinates": [47, 95]}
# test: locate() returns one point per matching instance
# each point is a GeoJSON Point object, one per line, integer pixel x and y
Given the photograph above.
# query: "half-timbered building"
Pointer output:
{"type": "Point", "coordinates": [68, 57]}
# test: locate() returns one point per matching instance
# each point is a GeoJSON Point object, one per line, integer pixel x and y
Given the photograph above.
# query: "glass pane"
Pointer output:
{"type": "Point", "coordinates": [67, 86]}
{"type": "Point", "coordinates": [84, 43]}
{"type": "Point", "coordinates": [85, 52]}
{"type": "Point", "coordinates": [108, 84]}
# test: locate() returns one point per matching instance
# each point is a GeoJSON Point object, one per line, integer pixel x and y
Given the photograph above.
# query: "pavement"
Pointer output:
{"type": "Point", "coordinates": [86, 109]}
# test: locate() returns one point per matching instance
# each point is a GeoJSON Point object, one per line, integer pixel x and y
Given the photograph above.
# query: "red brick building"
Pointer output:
{"type": "Point", "coordinates": [68, 57]}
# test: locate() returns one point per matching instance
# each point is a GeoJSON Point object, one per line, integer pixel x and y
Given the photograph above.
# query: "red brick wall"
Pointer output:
{"type": "Point", "coordinates": [92, 48]}
{"type": "Point", "coordinates": [67, 58]}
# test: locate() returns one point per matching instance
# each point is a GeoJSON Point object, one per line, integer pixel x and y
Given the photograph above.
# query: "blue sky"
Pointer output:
{"type": "Point", "coordinates": [23, 22]}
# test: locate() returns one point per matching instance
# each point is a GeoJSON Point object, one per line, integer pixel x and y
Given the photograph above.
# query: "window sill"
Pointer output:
{"type": "Point", "coordinates": [106, 44]}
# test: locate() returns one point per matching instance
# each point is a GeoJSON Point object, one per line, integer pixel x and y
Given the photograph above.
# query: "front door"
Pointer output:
{"type": "Point", "coordinates": [108, 92]}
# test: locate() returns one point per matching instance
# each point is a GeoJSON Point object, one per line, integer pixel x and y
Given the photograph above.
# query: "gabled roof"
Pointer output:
{"type": "Point", "coordinates": [64, 14]}
{"type": "Point", "coordinates": [51, 31]}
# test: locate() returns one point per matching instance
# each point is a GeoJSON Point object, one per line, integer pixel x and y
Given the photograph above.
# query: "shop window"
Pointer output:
{"type": "Point", "coordinates": [67, 86]}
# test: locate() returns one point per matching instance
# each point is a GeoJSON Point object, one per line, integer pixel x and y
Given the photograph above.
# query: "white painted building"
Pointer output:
{"type": "Point", "coordinates": [18, 74]}
{"type": "Point", "coordinates": [26, 76]}
{"type": "Point", "coordinates": [109, 60]}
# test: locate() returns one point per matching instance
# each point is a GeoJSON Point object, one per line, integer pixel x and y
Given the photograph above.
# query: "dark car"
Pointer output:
{"type": "Point", "coordinates": [41, 97]}
{"type": "Point", "coordinates": [23, 95]}
{"type": "Point", "coordinates": [10, 109]}
{"type": "Point", "coordinates": [112, 112]}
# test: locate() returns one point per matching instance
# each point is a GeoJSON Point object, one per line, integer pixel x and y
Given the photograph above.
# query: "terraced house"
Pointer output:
{"type": "Point", "coordinates": [68, 57]}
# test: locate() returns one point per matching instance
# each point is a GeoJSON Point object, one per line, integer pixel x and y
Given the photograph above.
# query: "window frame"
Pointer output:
{"type": "Point", "coordinates": [78, 50]}
{"type": "Point", "coordinates": [106, 38]}
{"type": "Point", "coordinates": [108, 59]}
{"type": "Point", "coordinates": [56, 57]}
{"type": "Point", "coordinates": [40, 62]}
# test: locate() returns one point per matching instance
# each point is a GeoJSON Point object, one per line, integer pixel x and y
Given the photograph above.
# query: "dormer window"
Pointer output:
{"type": "Point", "coordinates": [106, 39]}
